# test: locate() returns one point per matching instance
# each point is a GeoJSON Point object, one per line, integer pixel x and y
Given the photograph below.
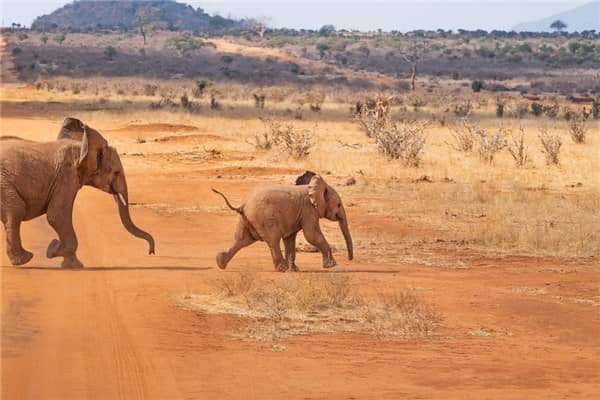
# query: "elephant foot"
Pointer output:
{"type": "Point", "coordinates": [52, 249]}
{"type": "Point", "coordinates": [221, 260]}
{"type": "Point", "coordinates": [330, 263]}
{"type": "Point", "coordinates": [21, 257]}
{"type": "Point", "coordinates": [294, 268]}
{"type": "Point", "coordinates": [282, 267]}
{"type": "Point", "coordinates": [72, 263]}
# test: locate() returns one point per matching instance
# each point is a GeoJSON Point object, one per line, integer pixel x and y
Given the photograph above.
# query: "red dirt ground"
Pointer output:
{"type": "Point", "coordinates": [114, 330]}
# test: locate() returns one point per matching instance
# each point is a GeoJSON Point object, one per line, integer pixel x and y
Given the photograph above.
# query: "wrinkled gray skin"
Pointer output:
{"type": "Point", "coordinates": [275, 212]}
{"type": "Point", "coordinates": [44, 178]}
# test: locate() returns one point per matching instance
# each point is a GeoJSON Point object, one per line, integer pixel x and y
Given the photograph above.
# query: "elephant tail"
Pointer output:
{"type": "Point", "coordinates": [240, 211]}
{"type": "Point", "coordinates": [236, 209]}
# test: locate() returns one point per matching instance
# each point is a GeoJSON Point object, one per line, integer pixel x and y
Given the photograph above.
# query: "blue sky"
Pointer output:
{"type": "Point", "coordinates": [388, 15]}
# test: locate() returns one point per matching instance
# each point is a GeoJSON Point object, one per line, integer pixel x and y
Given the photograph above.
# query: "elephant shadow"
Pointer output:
{"type": "Point", "coordinates": [114, 268]}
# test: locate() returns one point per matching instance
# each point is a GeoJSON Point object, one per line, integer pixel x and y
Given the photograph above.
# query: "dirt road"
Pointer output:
{"type": "Point", "coordinates": [512, 328]}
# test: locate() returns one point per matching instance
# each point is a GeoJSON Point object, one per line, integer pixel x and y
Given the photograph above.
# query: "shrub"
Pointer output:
{"type": "Point", "coordinates": [463, 109]}
{"type": "Point", "coordinates": [16, 51]}
{"type": "Point", "coordinates": [150, 90]}
{"type": "Point", "coordinates": [551, 144]}
{"type": "Point", "coordinates": [500, 108]}
{"type": "Point", "coordinates": [552, 111]}
{"type": "Point", "coordinates": [296, 142]}
{"type": "Point", "coordinates": [44, 38]}
{"type": "Point", "coordinates": [476, 85]}
{"type": "Point", "coordinates": [402, 141]}
{"type": "Point", "coordinates": [22, 36]}
{"type": "Point", "coordinates": [110, 52]}
{"type": "Point", "coordinates": [464, 136]}
{"type": "Point", "coordinates": [577, 128]}
{"type": "Point", "coordinates": [291, 140]}
{"type": "Point", "coordinates": [517, 148]}
{"type": "Point", "coordinates": [537, 109]}
{"type": "Point", "coordinates": [490, 144]}
{"type": "Point", "coordinates": [60, 38]}
{"type": "Point", "coordinates": [201, 84]}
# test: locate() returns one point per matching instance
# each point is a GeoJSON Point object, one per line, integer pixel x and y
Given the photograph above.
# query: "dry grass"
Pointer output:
{"type": "Point", "coordinates": [551, 144]}
{"type": "Point", "coordinates": [297, 304]}
{"type": "Point", "coordinates": [501, 208]}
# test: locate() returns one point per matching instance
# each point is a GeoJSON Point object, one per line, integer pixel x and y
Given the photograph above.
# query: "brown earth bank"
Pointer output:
{"type": "Point", "coordinates": [511, 327]}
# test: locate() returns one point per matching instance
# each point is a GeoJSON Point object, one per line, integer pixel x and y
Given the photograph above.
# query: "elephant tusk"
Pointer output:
{"type": "Point", "coordinates": [122, 199]}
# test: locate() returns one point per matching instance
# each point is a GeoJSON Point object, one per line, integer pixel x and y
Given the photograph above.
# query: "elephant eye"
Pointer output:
{"type": "Point", "coordinates": [99, 158]}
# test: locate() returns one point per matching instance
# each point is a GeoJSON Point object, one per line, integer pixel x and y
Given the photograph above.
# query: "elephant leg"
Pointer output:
{"type": "Point", "coordinates": [242, 239]}
{"type": "Point", "coordinates": [315, 237]}
{"type": "Point", "coordinates": [290, 252]}
{"type": "Point", "coordinates": [279, 262]}
{"type": "Point", "coordinates": [66, 246]}
{"type": "Point", "coordinates": [14, 249]}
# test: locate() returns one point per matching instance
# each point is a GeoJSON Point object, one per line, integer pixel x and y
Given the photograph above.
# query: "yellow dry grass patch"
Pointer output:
{"type": "Point", "coordinates": [297, 304]}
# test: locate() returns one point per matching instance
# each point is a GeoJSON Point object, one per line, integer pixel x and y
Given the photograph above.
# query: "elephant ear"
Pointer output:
{"type": "Point", "coordinates": [305, 178]}
{"type": "Point", "coordinates": [317, 192]}
{"type": "Point", "coordinates": [92, 142]}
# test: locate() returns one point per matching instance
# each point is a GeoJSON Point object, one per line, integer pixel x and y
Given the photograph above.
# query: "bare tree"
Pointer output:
{"type": "Point", "coordinates": [146, 18]}
{"type": "Point", "coordinates": [412, 56]}
{"type": "Point", "coordinates": [257, 25]}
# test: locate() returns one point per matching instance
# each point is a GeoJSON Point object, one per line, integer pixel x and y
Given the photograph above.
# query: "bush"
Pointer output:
{"type": "Point", "coordinates": [500, 108]}
{"type": "Point", "coordinates": [463, 109]}
{"type": "Point", "coordinates": [16, 51]}
{"type": "Point", "coordinates": [291, 140]}
{"type": "Point", "coordinates": [490, 144]}
{"type": "Point", "coordinates": [44, 38]}
{"type": "Point", "coordinates": [577, 128]}
{"type": "Point", "coordinates": [464, 136]}
{"type": "Point", "coordinates": [476, 86]}
{"type": "Point", "coordinates": [110, 52]}
{"type": "Point", "coordinates": [517, 148]}
{"type": "Point", "coordinates": [60, 38]}
{"type": "Point", "coordinates": [551, 144]}
{"type": "Point", "coordinates": [537, 109]}
{"type": "Point", "coordinates": [402, 141]}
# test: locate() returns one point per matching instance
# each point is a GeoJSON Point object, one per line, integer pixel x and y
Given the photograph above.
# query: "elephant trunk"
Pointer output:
{"type": "Point", "coordinates": [121, 197]}
{"type": "Point", "coordinates": [343, 221]}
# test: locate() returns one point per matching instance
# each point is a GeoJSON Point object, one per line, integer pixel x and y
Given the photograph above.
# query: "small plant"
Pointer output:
{"type": "Point", "coordinates": [500, 108]}
{"type": "Point", "coordinates": [44, 38]}
{"type": "Point", "coordinates": [201, 84]}
{"type": "Point", "coordinates": [259, 100]}
{"type": "Point", "coordinates": [517, 149]}
{"type": "Point", "coordinates": [537, 109]}
{"type": "Point", "coordinates": [551, 144]}
{"type": "Point", "coordinates": [16, 51]}
{"type": "Point", "coordinates": [22, 36]}
{"type": "Point", "coordinates": [110, 52]}
{"type": "Point", "coordinates": [463, 109]}
{"type": "Point", "coordinates": [552, 111]}
{"type": "Point", "coordinates": [60, 38]}
{"type": "Point", "coordinates": [577, 128]}
{"type": "Point", "coordinates": [476, 85]}
{"type": "Point", "coordinates": [490, 144]}
{"type": "Point", "coordinates": [465, 135]}
{"type": "Point", "coordinates": [295, 142]}
{"type": "Point", "coordinates": [150, 90]}
{"type": "Point", "coordinates": [402, 141]}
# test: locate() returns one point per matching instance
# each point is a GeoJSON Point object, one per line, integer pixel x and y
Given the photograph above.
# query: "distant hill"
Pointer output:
{"type": "Point", "coordinates": [103, 14]}
{"type": "Point", "coordinates": [579, 19]}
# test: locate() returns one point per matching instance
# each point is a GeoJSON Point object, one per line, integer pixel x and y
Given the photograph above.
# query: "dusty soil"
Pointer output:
{"type": "Point", "coordinates": [513, 327]}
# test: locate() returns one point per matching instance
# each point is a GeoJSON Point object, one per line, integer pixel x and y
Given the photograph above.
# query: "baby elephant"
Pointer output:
{"type": "Point", "coordinates": [275, 212]}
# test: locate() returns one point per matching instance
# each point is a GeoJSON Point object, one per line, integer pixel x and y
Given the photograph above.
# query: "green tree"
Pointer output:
{"type": "Point", "coordinates": [145, 19]}
{"type": "Point", "coordinates": [60, 38]}
{"type": "Point", "coordinates": [558, 25]}
{"type": "Point", "coordinates": [323, 48]}
{"type": "Point", "coordinates": [44, 38]}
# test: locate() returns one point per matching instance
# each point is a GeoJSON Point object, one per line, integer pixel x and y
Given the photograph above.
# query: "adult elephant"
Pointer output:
{"type": "Point", "coordinates": [44, 178]}
{"type": "Point", "coordinates": [275, 212]}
